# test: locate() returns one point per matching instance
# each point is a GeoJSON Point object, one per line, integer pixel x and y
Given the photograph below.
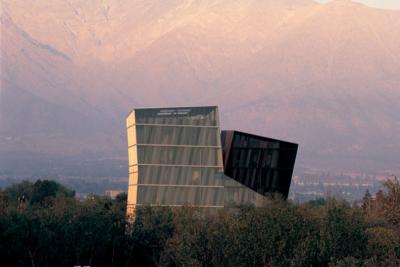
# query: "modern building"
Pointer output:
{"type": "Point", "coordinates": [263, 164]}
{"type": "Point", "coordinates": [177, 157]}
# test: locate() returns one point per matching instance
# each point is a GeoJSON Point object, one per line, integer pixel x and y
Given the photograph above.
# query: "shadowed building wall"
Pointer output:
{"type": "Point", "coordinates": [260, 163]}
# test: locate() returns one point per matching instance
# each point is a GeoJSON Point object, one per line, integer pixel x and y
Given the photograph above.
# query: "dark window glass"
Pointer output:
{"type": "Point", "coordinates": [206, 116]}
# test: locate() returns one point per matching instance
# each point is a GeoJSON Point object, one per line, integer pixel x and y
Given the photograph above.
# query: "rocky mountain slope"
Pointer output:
{"type": "Point", "coordinates": [324, 75]}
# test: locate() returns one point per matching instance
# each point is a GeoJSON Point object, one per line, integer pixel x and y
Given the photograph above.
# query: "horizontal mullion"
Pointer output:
{"type": "Point", "coordinates": [176, 125]}
{"type": "Point", "coordinates": [261, 148]}
{"type": "Point", "coordinates": [177, 205]}
{"type": "Point", "coordinates": [169, 145]}
{"type": "Point", "coordinates": [179, 185]}
{"type": "Point", "coordinates": [175, 165]}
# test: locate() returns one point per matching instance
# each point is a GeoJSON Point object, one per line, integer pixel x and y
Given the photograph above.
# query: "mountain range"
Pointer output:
{"type": "Point", "coordinates": [326, 76]}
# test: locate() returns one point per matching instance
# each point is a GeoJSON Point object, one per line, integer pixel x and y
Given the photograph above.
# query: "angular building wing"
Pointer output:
{"type": "Point", "coordinates": [263, 164]}
{"type": "Point", "coordinates": [176, 159]}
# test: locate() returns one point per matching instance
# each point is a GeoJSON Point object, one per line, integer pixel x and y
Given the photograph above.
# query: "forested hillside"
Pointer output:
{"type": "Point", "coordinates": [43, 224]}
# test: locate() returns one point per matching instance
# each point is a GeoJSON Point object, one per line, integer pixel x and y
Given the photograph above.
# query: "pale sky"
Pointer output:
{"type": "Point", "coordinates": [387, 4]}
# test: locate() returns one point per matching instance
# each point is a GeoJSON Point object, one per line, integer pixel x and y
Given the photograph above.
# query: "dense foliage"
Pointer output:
{"type": "Point", "coordinates": [43, 224]}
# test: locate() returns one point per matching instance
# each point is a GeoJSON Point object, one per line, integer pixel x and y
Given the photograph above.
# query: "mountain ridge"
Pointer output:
{"type": "Point", "coordinates": [324, 75]}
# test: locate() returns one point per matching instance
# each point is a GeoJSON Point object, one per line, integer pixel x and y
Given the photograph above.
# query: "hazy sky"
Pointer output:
{"type": "Point", "coordinates": [388, 4]}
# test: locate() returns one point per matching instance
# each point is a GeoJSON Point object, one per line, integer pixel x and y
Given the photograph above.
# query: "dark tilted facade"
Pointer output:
{"type": "Point", "coordinates": [178, 156]}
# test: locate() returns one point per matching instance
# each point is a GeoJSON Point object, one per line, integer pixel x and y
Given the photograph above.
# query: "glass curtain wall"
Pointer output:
{"type": "Point", "coordinates": [175, 158]}
{"type": "Point", "coordinates": [262, 164]}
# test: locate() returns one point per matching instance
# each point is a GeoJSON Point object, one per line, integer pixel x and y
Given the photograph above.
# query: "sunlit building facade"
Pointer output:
{"type": "Point", "coordinates": [176, 158]}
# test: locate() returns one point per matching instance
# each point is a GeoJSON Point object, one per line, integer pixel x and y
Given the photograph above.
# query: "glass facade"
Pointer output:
{"type": "Point", "coordinates": [176, 159]}
{"type": "Point", "coordinates": [262, 164]}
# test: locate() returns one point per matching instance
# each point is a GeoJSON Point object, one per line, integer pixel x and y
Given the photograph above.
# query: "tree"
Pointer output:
{"type": "Point", "coordinates": [59, 230]}
{"type": "Point", "coordinates": [383, 245]}
{"type": "Point", "coordinates": [391, 201]}
{"type": "Point", "coordinates": [19, 193]}
{"type": "Point", "coordinates": [317, 202]}
{"type": "Point", "coordinates": [45, 190]}
{"type": "Point", "coordinates": [150, 232]}
{"type": "Point", "coordinates": [367, 201]}
{"type": "Point", "coordinates": [343, 233]}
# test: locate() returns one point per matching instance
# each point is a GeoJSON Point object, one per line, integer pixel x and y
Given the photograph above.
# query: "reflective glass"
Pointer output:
{"type": "Point", "coordinates": [174, 175]}
{"type": "Point", "coordinates": [262, 164]}
{"type": "Point", "coordinates": [206, 116]}
{"type": "Point", "coordinates": [237, 194]}
{"type": "Point", "coordinates": [199, 156]}
{"type": "Point", "coordinates": [175, 156]}
{"type": "Point", "coordinates": [178, 195]}
{"type": "Point", "coordinates": [177, 135]}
